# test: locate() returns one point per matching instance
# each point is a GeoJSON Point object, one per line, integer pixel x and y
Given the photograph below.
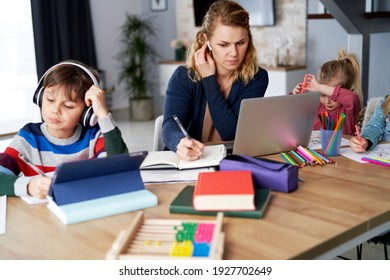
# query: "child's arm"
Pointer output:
{"type": "Point", "coordinates": [373, 131]}
{"type": "Point", "coordinates": [21, 186]}
{"type": "Point", "coordinates": [313, 85]}
{"type": "Point", "coordinates": [7, 184]}
{"type": "Point", "coordinates": [113, 141]}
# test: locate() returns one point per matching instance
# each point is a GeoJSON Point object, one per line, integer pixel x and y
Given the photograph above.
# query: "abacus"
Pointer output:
{"type": "Point", "coordinates": [169, 239]}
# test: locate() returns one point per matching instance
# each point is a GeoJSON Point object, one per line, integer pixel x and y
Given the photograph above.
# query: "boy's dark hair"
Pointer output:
{"type": "Point", "coordinates": [72, 78]}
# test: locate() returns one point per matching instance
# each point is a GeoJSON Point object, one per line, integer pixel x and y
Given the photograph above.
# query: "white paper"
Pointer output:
{"type": "Point", "coordinates": [31, 200]}
{"type": "Point", "coordinates": [3, 214]}
{"type": "Point", "coordinates": [380, 151]}
{"type": "Point", "coordinates": [172, 175]}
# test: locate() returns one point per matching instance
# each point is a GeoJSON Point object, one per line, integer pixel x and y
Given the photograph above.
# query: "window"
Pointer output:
{"type": "Point", "coordinates": [18, 77]}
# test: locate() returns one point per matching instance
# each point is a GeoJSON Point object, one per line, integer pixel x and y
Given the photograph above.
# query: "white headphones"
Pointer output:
{"type": "Point", "coordinates": [88, 118]}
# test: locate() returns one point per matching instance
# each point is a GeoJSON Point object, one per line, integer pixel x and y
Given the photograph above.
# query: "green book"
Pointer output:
{"type": "Point", "coordinates": [182, 204]}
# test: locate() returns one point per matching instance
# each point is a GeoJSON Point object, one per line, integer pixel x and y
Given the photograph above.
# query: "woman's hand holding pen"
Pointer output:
{"type": "Point", "coordinates": [39, 186]}
{"type": "Point", "coordinates": [204, 62]}
{"type": "Point", "coordinates": [189, 149]}
{"type": "Point", "coordinates": [358, 146]}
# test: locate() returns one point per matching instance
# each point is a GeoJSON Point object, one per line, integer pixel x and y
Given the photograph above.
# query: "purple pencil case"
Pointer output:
{"type": "Point", "coordinates": [266, 173]}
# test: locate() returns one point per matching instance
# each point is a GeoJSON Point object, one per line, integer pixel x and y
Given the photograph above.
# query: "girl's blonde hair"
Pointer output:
{"type": "Point", "coordinates": [232, 14]}
{"type": "Point", "coordinates": [347, 68]}
{"type": "Point", "coordinates": [386, 105]}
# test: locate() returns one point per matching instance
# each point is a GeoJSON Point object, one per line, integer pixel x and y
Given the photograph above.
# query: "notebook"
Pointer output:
{"type": "Point", "coordinates": [270, 125]}
{"type": "Point", "coordinates": [212, 155]}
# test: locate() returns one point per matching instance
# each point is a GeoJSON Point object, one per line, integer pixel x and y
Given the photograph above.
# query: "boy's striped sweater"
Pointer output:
{"type": "Point", "coordinates": [46, 152]}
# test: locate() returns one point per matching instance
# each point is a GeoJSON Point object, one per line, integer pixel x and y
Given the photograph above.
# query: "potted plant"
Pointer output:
{"type": "Point", "coordinates": [137, 55]}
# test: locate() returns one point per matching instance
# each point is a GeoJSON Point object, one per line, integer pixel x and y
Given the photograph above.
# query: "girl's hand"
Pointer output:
{"type": "Point", "coordinates": [357, 146]}
{"type": "Point", "coordinates": [39, 186]}
{"type": "Point", "coordinates": [95, 97]}
{"type": "Point", "coordinates": [312, 84]}
{"type": "Point", "coordinates": [204, 62]}
{"type": "Point", "coordinates": [298, 88]}
{"type": "Point", "coordinates": [189, 149]}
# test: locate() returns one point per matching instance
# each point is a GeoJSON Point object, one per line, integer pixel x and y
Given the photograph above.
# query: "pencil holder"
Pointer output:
{"type": "Point", "coordinates": [330, 142]}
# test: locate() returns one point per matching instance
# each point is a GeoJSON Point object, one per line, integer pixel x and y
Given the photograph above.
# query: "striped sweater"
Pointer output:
{"type": "Point", "coordinates": [46, 151]}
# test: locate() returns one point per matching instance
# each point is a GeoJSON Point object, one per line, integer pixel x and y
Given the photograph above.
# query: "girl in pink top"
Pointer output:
{"type": "Point", "coordinates": [339, 85]}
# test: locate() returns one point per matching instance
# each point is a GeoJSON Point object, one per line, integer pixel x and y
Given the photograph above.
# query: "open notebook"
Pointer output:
{"type": "Point", "coordinates": [212, 155]}
{"type": "Point", "coordinates": [275, 124]}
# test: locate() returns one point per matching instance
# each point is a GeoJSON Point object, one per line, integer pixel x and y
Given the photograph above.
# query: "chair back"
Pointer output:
{"type": "Point", "coordinates": [158, 144]}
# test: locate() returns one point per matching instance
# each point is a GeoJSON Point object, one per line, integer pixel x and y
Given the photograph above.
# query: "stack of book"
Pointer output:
{"type": "Point", "coordinates": [229, 191]}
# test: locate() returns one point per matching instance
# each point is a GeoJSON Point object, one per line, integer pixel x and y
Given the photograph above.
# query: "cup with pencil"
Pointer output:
{"type": "Point", "coordinates": [331, 132]}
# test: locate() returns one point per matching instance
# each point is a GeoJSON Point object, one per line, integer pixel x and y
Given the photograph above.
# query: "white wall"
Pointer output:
{"type": "Point", "coordinates": [107, 17]}
{"type": "Point", "coordinates": [379, 74]}
{"type": "Point", "coordinates": [326, 36]}
{"type": "Point", "coordinates": [322, 45]}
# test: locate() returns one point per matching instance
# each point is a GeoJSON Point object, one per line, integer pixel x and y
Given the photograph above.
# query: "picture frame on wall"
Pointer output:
{"type": "Point", "coordinates": [158, 5]}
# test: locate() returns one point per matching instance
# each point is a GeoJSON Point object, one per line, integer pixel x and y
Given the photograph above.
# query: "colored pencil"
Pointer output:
{"type": "Point", "coordinates": [316, 158]}
{"type": "Point", "coordinates": [339, 125]}
{"type": "Point", "coordinates": [308, 159]}
{"type": "Point", "coordinates": [298, 157]}
{"type": "Point", "coordinates": [319, 155]}
{"type": "Point", "coordinates": [288, 159]}
{"type": "Point", "coordinates": [358, 133]}
{"type": "Point", "coordinates": [296, 160]}
{"type": "Point", "coordinates": [309, 156]}
{"type": "Point", "coordinates": [379, 162]}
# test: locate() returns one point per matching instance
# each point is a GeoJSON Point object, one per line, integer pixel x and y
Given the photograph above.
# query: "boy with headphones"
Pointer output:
{"type": "Point", "coordinates": [71, 103]}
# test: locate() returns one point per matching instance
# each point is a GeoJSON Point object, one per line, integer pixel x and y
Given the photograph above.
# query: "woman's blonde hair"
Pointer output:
{"type": "Point", "coordinates": [232, 14]}
{"type": "Point", "coordinates": [347, 68]}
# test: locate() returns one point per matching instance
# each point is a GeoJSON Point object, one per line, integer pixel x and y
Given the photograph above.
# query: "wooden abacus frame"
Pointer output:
{"type": "Point", "coordinates": [135, 242]}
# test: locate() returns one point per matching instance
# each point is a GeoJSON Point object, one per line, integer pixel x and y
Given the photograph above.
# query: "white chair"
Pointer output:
{"type": "Point", "coordinates": [158, 144]}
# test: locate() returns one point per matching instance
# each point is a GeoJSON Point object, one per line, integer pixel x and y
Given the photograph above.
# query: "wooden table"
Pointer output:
{"type": "Point", "coordinates": [335, 208]}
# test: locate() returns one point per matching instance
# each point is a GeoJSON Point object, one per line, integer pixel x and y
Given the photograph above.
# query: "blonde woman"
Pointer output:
{"type": "Point", "coordinates": [222, 70]}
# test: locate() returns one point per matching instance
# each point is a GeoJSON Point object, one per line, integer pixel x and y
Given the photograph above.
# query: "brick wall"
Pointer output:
{"type": "Point", "coordinates": [271, 42]}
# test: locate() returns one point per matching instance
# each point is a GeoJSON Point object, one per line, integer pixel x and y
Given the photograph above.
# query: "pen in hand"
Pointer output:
{"type": "Point", "coordinates": [26, 161]}
{"type": "Point", "coordinates": [358, 133]}
{"type": "Point", "coordinates": [180, 125]}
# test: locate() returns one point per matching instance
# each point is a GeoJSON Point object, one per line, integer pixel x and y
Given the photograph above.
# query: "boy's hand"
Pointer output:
{"type": "Point", "coordinates": [39, 186]}
{"type": "Point", "coordinates": [95, 97]}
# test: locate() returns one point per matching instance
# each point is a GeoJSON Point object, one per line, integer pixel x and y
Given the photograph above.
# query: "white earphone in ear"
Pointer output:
{"type": "Point", "coordinates": [208, 45]}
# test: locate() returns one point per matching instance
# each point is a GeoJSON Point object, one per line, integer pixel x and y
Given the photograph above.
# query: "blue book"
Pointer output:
{"type": "Point", "coordinates": [95, 188]}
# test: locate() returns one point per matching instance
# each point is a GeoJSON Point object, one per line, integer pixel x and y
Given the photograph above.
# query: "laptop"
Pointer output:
{"type": "Point", "coordinates": [270, 125]}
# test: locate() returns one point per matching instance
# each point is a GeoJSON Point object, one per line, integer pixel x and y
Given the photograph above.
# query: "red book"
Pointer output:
{"type": "Point", "coordinates": [224, 191]}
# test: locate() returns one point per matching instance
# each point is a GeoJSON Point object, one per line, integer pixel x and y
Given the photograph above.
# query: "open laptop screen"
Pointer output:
{"type": "Point", "coordinates": [275, 124]}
